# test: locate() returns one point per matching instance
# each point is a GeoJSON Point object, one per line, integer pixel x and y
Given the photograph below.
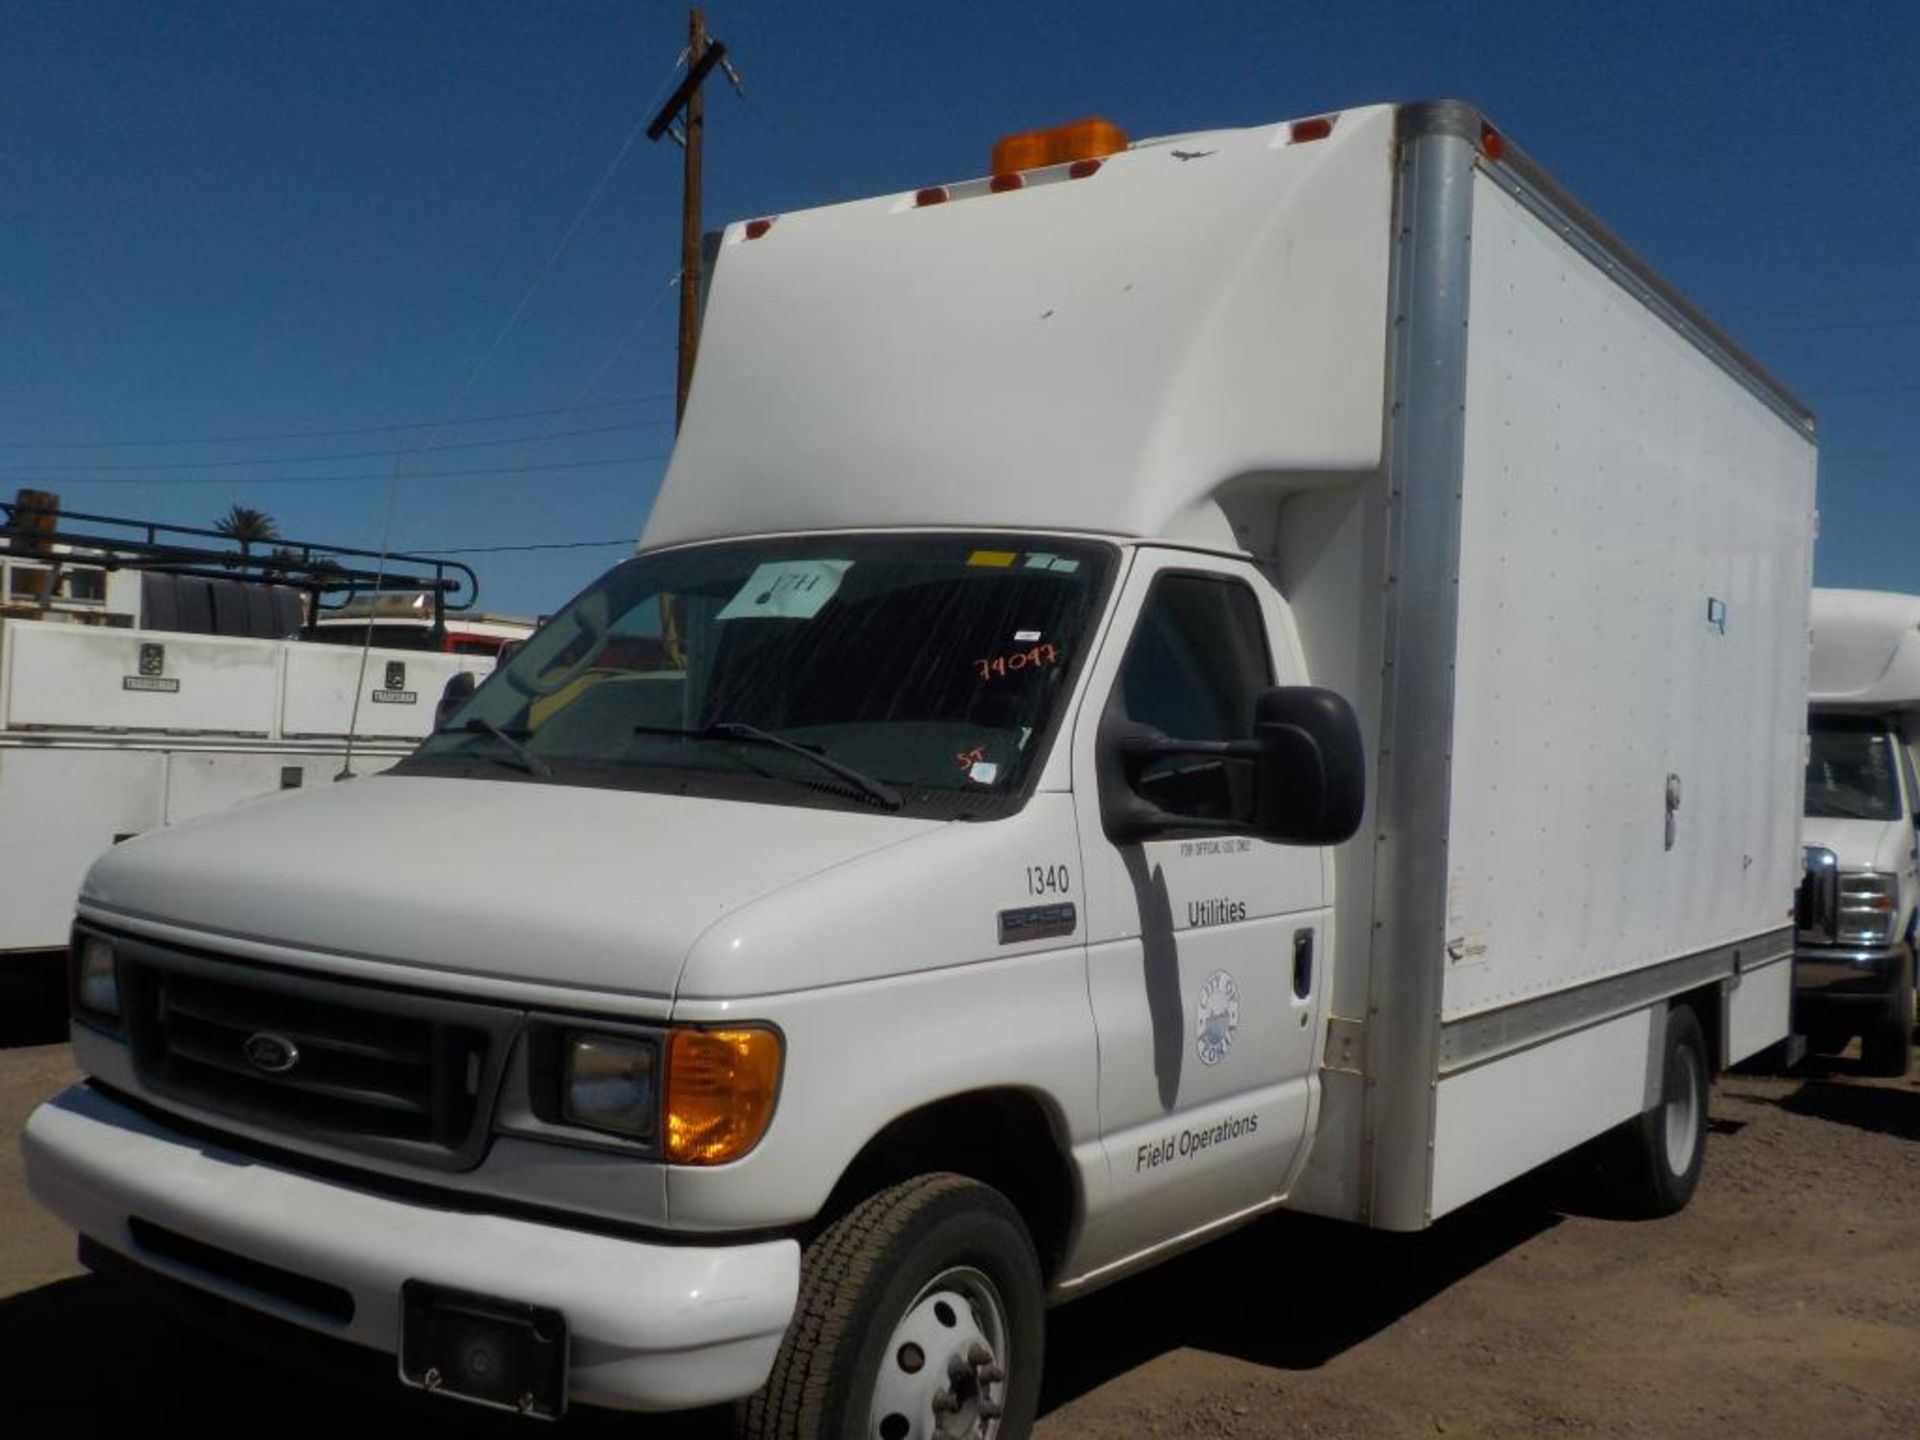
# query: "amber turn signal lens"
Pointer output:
{"type": "Point", "coordinates": [721, 1086]}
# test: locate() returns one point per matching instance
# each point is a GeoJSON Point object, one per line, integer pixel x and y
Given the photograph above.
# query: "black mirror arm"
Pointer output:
{"type": "Point", "coordinates": [1138, 751]}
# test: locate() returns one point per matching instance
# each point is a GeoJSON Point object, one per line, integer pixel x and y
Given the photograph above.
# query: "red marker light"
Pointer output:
{"type": "Point", "coordinates": [1006, 182]}
{"type": "Point", "coordinates": [1491, 145]}
{"type": "Point", "coordinates": [1302, 131]}
{"type": "Point", "coordinates": [932, 195]}
{"type": "Point", "coordinates": [1081, 169]}
{"type": "Point", "coordinates": [757, 228]}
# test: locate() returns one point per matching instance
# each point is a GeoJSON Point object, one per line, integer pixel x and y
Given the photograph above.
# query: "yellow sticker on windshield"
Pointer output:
{"type": "Point", "coordinates": [993, 559]}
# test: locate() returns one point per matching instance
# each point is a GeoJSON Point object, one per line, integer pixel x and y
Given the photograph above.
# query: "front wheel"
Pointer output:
{"type": "Point", "coordinates": [1656, 1158]}
{"type": "Point", "coordinates": [1887, 1048]}
{"type": "Point", "coordinates": [920, 1315]}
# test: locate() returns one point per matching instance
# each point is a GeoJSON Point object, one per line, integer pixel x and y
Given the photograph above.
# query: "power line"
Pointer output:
{"type": "Point", "coordinates": [626, 541]}
{"type": "Point", "coordinates": [1865, 390]}
{"type": "Point", "coordinates": [593, 197]}
{"type": "Point", "coordinates": [242, 481]}
{"type": "Point", "coordinates": [1821, 325]}
{"type": "Point", "coordinates": [264, 438]}
{"type": "Point", "coordinates": [34, 469]}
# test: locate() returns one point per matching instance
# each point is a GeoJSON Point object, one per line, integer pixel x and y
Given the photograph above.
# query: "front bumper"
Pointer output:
{"type": "Point", "coordinates": [1848, 975]}
{"type": "Point", "coordinates": [653, 1327]}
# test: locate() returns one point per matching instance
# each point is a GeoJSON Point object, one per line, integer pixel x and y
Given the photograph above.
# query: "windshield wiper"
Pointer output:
{"type": "Point", "coordinates": [877, 791]}
{"type": "Point", "coordinates": [526, 759]}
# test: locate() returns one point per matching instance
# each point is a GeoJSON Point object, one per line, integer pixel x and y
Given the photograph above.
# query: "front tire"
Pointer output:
{"type": "Point", "coordinates": [921, 1314]}
{"type": "Point", "coordinates": [1887, 1048]}
{"type": "Point", "coordinates": [1656, 1158]}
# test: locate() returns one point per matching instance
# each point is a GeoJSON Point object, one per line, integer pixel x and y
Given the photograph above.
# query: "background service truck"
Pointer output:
{"type": "Point", "coordinates": [151, 674]}
{"type": "Point", "coordinates": [1861, 902]}
{"type": "Point", "coordinates": [1259, 669]}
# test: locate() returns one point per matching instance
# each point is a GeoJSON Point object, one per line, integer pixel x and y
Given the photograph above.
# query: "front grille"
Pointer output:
{"type": "Point", "coordinates": [1817, 905]}
{"type": "Point", "coordinates": [319, 1063]}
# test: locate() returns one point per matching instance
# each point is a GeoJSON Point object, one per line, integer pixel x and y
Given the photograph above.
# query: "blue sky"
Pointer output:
{"type": "Point", "coordinates": [334, 228]}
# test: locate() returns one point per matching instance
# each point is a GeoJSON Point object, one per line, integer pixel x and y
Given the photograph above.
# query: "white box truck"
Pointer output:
{"type": "Point", "coordinates": [1259, 669]}
{"type": "Point", "coordinates": [1860, 905]}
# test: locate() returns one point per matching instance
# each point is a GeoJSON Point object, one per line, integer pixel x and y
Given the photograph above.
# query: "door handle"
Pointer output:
{"type": "Point", "coordinates": [1302, 964]}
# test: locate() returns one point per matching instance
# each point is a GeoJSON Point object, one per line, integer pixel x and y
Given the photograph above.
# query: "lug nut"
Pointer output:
{"type": "Point", "coordinates": [992, 1375]}
{"type": "Point", "coordinates": [979, 1354]}
{"type": "Point", "coordinates": [944, 1403]}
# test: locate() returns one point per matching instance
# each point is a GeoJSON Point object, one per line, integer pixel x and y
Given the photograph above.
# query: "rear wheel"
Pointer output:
{"type": "Point", "coordinates": [920, 1315]}
{"type": "Point", "coordinates": [1656, 1159]}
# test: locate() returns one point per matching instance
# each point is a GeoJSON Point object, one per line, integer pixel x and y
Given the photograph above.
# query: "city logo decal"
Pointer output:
{"type": "Point", "coordinates": [1217, 1018]}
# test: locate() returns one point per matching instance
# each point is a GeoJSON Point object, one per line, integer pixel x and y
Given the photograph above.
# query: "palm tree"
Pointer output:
{"type": "Point", "coordinates": [245, 524]}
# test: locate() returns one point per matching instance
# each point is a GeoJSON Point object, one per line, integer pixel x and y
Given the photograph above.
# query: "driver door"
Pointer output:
{"type": "Point", "coordinates": [1204, 948]}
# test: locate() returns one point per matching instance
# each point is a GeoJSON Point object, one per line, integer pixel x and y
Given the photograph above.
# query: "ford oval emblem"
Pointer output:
{"type": "Point", "coordinates": [270, 1053]}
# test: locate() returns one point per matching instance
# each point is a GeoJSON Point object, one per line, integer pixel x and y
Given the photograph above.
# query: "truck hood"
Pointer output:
{"type": "Point", "coordinates": [1862, 844]}
{"type": "Point", "coordinates": [601, 889]}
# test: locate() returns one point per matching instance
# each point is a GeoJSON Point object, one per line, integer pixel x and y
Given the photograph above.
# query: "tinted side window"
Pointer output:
{"type": "Point", "coordinates": [1197, 660]}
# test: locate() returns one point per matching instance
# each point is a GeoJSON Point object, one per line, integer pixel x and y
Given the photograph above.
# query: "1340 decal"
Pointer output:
{"type": "Point", "coordinates": [1049, 880]}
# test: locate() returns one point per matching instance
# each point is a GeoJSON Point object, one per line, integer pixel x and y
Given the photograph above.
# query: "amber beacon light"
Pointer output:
{"type": "Point", "coordinates": [1089, 139]}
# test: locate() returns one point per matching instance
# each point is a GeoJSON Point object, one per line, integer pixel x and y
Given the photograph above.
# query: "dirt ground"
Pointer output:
{"type": "Point", "coordinates": [1785, 1302]}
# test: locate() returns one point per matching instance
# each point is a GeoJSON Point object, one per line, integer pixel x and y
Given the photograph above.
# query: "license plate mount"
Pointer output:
{"type": "Point", "coordinates": [503, 1354]}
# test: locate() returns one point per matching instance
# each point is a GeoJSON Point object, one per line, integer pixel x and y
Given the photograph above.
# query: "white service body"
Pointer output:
{"type": "Point", "coordinates": [96, 747]}
{"type": "Point", "coordinates": [1468, 463]}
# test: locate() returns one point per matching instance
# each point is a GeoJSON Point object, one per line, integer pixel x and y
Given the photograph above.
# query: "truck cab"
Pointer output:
{"type": "Point", "coordinates": [1859, 903]}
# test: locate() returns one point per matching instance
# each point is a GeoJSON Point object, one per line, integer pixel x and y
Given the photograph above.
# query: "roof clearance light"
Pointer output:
{"type": "Point", "coordinates": [1491, 145]}
{"type": "Point", "coordinates": [1081, 169]}
{"type": "Point", "coordinates": [1001, 183]}
{"type": "Point", "coordinates": [757, 228]}
{"type": "Point", "coordinates": [1089, 139]}
{"type": "Point", "coordinates": [932, 195]}
{"type": "Point", "coordinates": [1318, 128]}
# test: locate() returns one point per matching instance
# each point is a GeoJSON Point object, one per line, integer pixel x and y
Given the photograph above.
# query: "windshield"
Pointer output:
{"type": "Point", "coordinates": [1851, 769]}
{"type": "Point", "coordinates": [923, 673]}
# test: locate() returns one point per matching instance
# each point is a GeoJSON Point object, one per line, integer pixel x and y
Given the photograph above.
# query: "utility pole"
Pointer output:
{"type": "Point", "coordinates": [687, 103]}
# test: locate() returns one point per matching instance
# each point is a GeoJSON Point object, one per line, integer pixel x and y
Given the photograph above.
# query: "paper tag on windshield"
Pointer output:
{"type": "Point", "coordinates": [786, 590]}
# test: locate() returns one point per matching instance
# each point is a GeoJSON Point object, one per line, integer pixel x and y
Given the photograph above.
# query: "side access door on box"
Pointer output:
{"type": "Point", "coordinates": [1205, 950]}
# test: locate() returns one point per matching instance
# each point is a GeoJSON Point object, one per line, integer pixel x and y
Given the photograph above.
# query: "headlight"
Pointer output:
{"type": "Point", "coordinates": [704, 1097]}
{"type": "Point", "coordinates": [96, 984]}
{"type": "Point", "coordinates": [721, 1085]}
{"type": "Point", "coordinates": [1867, 906]}
{"type": "Point", "coordinates": [611, 1083]}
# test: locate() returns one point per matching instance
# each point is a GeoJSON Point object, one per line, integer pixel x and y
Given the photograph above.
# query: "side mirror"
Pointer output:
{"type": "Point", "coordinates": [1310, 779]}
{"type": "Point", "coordinates": [457, 691]}
{"type": "Point", "coordinates": [1300, 780]}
